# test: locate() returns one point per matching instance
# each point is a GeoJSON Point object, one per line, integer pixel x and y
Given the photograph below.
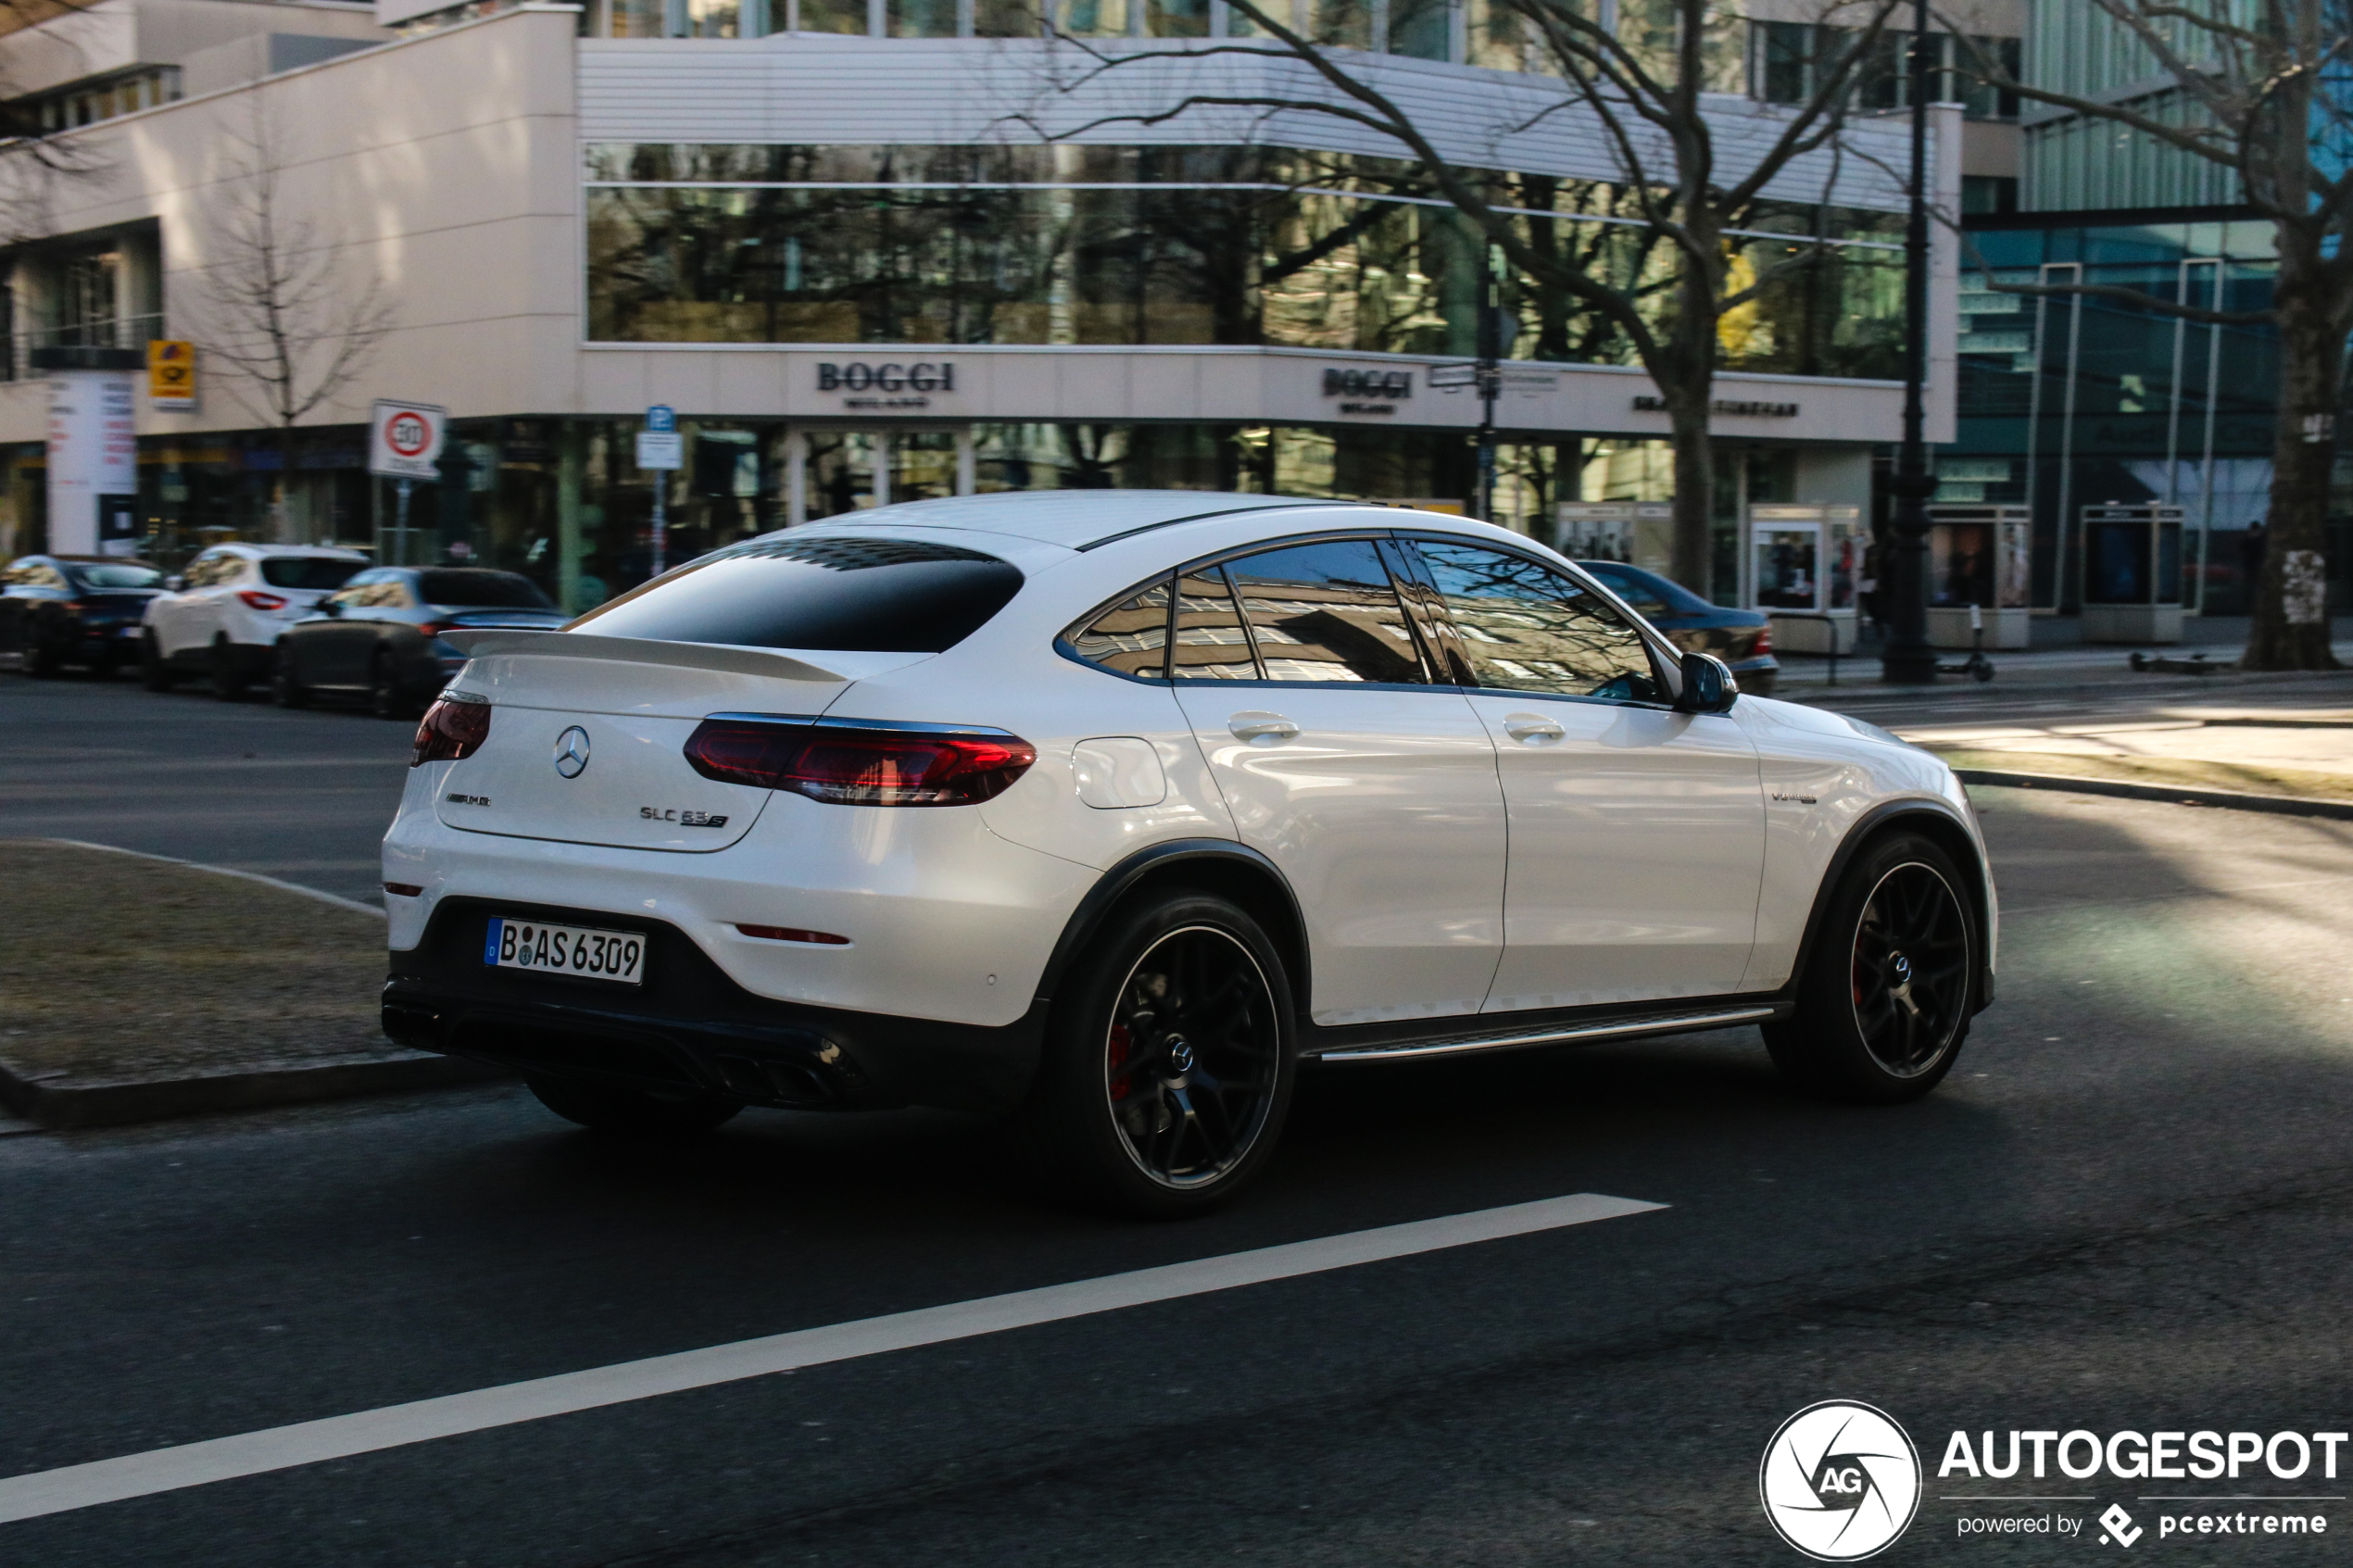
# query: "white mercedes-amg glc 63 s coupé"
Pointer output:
{"type": "Point", "coordinates": [1101, 810]}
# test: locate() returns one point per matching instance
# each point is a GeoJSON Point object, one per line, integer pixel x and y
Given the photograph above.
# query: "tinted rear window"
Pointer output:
{"type": "Point", "coordinates": [471, 585]}
{"type": "Point", "coordinates": [861, 594]}
{"type": "Point", "coordinates": [323, 572]}
{"type": "Point", "coordinates": [111, 576]}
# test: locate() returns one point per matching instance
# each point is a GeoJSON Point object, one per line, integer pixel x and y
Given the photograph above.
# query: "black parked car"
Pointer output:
{"type": "Point", "coordinates": [1742, 638]}
{"type": "Point", "coordinates": [379, 636]}
{"type": "Point", "coordinates": [56, 610]}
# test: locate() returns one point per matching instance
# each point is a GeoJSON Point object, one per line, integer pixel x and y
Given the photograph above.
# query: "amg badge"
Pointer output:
{"type": "Point", "coordinates": [683, 819]}
{"type": "Point", "coordinates": [469, 799]}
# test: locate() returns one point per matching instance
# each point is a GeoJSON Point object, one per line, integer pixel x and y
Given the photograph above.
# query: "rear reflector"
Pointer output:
{"type": "Point", "coordinates": [794, 933]}
{"type": "Point", "coordinates": [848, 764]}
{"type": "Point", "coordinates": [405, 889]}
{"type": "Point", "coordinates": [454, 727]}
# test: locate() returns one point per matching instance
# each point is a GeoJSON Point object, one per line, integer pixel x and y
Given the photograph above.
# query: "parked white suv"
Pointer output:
{"type": "Point", "coordinates": [223, 621]}
{"type": "Point", "coordinates": [1102, 809]}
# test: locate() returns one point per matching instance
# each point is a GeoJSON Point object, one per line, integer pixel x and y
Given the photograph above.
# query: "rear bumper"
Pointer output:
{"type": "Point", "coordinates": [688, 1026]}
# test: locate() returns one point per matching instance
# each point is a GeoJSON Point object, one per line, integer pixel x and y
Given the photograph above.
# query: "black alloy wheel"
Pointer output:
{"type": "Point", "coordinates": [383, 690]}
{"type": "Point", "coordinates": [1910, 969]}
{"type": "Point", "coordinates": [285, 683]}
{"type": "Point", "coordinates": [228, 675]}
{"type": "Point", "coordinates": [1169, 1068]}
{"type": "Point", "coordinates": [155, 670]}
{"type": "Point", "coordinates": [1889, 986]}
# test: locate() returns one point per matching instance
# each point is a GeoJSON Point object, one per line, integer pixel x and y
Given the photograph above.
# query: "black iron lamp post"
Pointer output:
{"type": "Point", "coordinates": [1902, 577]}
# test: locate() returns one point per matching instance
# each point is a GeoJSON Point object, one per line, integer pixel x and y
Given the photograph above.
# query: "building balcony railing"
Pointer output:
{"type": "Point", "coordinates": [113, 332]}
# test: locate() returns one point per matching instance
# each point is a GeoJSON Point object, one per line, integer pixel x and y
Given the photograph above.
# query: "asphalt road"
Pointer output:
{"type": "Point", "coordinates": [302, 796]}
{"type": "Point", "coordinates": [2130, 1207]}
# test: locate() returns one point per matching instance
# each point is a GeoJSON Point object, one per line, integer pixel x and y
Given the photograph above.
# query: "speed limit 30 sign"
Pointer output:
{"type": "Point", "coordinates": [404, 439]}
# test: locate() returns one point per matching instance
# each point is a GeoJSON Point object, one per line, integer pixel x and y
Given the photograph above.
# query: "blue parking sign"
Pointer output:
{"type": "Point", "coordinates": [661, 419]}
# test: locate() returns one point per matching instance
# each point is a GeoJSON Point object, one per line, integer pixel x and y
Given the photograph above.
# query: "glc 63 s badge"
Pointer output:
{"type": "Point", "coordinates": [683, 819]}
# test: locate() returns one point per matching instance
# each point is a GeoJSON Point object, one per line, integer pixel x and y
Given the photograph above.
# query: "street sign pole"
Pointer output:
{"type": "Point", "coordinates": [404, 445]}
{"type": "Point", "coordinates": [1491, 377]}
{"type": "Point", "coordinates": [1907, 659]}
{"type": "Point", "coordinates": [660, 453]}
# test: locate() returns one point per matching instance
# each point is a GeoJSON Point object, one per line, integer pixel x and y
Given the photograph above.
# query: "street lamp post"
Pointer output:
{"type": "Point", "coordinates": [1489, 378]}
{"type": "Point", "coordinates": [1902, 578]}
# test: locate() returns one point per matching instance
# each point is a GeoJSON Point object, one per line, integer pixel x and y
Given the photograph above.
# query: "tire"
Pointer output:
{"type": "Point", "coordinates": [615, 1108]}
{"type": "Point", "coordinates": [155, 670]}
{"type": "Point", "coordinates": [42, 662]}
{"type": "Point", "coordinates": [285, 686]}
{"type": "Point", "coordinates": [1168, 1062]}
{"type": "Point", "coordinates": [1885, 1000]}
{"type": "Point", "coordinates": [383, 691]}
{"type": "Point", "coordinates": [228, 680]}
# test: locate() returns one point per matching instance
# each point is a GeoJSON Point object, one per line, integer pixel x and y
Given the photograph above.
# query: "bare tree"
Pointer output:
{"type": "Point", "coordinates": [2268, 87]}
{"type": "Point", "coordinates": [280, 307]}
{"type": "Point", "coordinates": [1639, 72]}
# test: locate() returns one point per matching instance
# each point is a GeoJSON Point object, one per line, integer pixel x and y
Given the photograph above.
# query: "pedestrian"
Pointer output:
{"type": "Point", "coordinates": [1867, 589]}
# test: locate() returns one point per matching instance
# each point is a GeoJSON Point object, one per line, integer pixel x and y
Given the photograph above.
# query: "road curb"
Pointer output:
{"type": "Point", "coordinates": [69, 1105]}
{"type": "Point", "coordinates": [2279, 804]}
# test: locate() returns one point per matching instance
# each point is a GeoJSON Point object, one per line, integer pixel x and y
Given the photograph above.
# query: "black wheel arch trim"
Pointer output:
{"type": "Point", "coordinates": [1868, 826]}
{"type": "Point", "coordinates": [1122, 878]}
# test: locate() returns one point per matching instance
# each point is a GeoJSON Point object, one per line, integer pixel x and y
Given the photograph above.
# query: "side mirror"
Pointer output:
{"type": "Point", "coordinates": [1708, 686]}
{"type": "Point", "coordinates": [330, 608]}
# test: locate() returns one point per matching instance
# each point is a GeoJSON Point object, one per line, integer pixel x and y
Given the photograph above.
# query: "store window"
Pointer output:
{"type": "Point", "coordinates": [1119, 246]}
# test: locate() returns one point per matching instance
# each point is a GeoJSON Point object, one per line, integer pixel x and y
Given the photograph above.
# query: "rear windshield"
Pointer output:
{"type": "Point", "coordinates": [472, 586]}
{"type": "Point", "coordinates": [324, 573]}
{"type": "Point", "coordinates": [863, 595]}
{"type": "Point", "coordinates": [111, 576]}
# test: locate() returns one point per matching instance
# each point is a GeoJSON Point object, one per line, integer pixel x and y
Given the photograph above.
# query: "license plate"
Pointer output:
{"type": "Point", "coordinates": [618, 955]}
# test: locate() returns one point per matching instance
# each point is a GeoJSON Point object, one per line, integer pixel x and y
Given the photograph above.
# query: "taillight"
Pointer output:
{"type": "Point", "coordinates": [260, 600]}
{"type": "Point", "coordinates": [1764, 644]}
{"type": "Point", "coordinates": [453, 728]}
{"type": "Point", "coordinates": [845, 763]}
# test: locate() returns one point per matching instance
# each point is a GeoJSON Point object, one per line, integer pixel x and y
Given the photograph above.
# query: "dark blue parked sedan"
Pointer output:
{"type": "Point", "coordinates": [1742, 638]}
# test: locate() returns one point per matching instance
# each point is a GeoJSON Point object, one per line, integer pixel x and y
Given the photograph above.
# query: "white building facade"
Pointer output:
{"type": "Point", "coordinates": [873, 255]}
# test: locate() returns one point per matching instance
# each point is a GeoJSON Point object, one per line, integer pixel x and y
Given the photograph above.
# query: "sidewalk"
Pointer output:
{"type": "Point", "coordinates": [133, 988]}
{"type": "Point", "coordinates": [2059, 659]}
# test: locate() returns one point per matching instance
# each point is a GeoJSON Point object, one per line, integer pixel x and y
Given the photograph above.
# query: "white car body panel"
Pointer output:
{"type": "Point", "coordinates": [946, 921]}
{"type": "Point", "coordinates": [1822, 775]}
{"type": "Point", "coordinates": [1384, 813]}
{"type": "Point", "coordinates": [1636, 852]}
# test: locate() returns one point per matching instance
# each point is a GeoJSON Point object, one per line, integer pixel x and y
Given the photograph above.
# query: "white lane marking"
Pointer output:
{"type": "Point", "coordinates": [339, 903]}
{"type": "Point", "coordinates": [309, 1442]}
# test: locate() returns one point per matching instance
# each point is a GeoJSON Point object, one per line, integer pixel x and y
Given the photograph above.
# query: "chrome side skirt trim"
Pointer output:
{"type": "Point", "coordinates": [1669, 1025]}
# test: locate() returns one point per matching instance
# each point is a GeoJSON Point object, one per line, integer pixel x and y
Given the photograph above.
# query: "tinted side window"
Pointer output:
{"type": "Point", "coordinates": [1526, 628]}
{"type": "Point", "coordinates": [1131, 636]}
{"type": "Point", "coordinates": [1633, 590]}
{"type": "Point", "coordinates": [852, 594]}
{"type": "Point", "coordinates": [1209, 643]}
{"type": "Point", "coordinates": [1326, 611]}
{"type": "Point", "coordinates": [497, 590]}
{"type": "Point", "coordinates": [307, 571]}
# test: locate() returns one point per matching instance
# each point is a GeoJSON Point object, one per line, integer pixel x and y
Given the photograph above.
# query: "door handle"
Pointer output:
{"type": "Point", "coordinates": [1261, 726]}
{"type": "Point", "coordinates": [1531, 729]}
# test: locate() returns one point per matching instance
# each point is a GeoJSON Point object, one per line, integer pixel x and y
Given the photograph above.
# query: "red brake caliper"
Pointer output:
{"type": "Point", "coordinates": [1118, 1059]}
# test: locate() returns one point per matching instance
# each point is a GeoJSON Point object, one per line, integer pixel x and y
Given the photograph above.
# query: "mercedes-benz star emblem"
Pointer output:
{"type": "Point", "coordinates": [1180, 1055]}
{"type": "Point", "coordinates": [572, 752]}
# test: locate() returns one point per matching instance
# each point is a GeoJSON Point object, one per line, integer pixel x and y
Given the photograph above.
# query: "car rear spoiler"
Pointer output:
{"type": "Point", "coordinates": [552, 644]}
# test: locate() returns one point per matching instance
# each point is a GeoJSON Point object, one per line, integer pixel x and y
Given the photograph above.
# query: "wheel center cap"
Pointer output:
{"type": "Point", "coordinates": [1180, 1055]}
{"type": "Point", "coordinates": [1903, 970]}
